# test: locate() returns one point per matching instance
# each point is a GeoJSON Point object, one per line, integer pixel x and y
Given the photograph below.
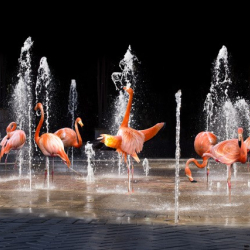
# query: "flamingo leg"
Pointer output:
{"type": "Point", "coordinates": [6, 159]}
{"type": "Point", "coordinates": [229, 176]}
{"type": "Point", "coordinates": [6, 162]}
{"type": "Point", "coordinates": [207, 172]}
{"type": "Point", "coordinates": [248, 163]}
{"type": "Point", "coordinates": [132, 171]}
{"type": "Point", "coordinates": [15, 165]}
{"type": "Point", "coordinates": [45, 175]}
{"type": "Point", "coordinates": [128, 177]}
{"type": "Point", "coordinates": [52, 172]}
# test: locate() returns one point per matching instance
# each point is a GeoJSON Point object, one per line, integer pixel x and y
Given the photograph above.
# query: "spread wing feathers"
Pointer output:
{"type": "Point", "coordinates": [151, 132]}
{"type": "Point", "coordinates": [132, 140]}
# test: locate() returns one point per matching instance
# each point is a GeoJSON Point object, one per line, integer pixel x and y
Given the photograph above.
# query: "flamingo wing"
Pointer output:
{"type": "Point", "coordinates": [226, 152]}
{"type": "Point", "coordinates": [68, 136]}
{"type": "Point", "coordinates": [132, 140]}
{"type": "Point", "coordinates": [203, 142]}
{"type": "Point", "coordinates": [4, 140]}
{"type": "Point", "coordinates": [51, 145]}
{"type": "Point", "coordinates": [151, 132]}
{"type": "Point", "coordinates": [16, 141]}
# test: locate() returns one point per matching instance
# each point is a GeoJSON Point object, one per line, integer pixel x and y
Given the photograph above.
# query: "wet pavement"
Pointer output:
{"type": "Point", "coordinates": [76, 212]}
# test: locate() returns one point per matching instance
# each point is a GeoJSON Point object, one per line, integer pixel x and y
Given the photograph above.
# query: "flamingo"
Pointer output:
{"type": "Point", "coordinates": [69, 137]}
{"type": "Point", "coordinates": [129, 141]}
{"type": "Point", "coordinates": [229, 152]}
{"type": "Point", "coordinates": [49, 143]}
{"type": "Point", "coordinates": [202, 144]}
{"type": "Point", "coordinates": [14, 140]}
{"type": "Point", "coordinates": [11, 127]}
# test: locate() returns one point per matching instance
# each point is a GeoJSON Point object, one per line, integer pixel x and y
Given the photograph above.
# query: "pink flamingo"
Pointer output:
{"type": "Point", "coordinates": [14, 140]}
{"type": "Point", "coordinates": [69, 137]}
{"type": "Point", "coordinates": [49, 143]}
{"type": "Point", "coordinates": [129, 141]}
{"type": "Point", "coordinates": [229, 152]}
{"type": "Point", "coordinates": [203, 143]}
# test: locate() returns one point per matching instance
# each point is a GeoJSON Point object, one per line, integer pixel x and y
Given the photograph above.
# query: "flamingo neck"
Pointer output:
{"type": "Point", "coordinates": [39, 126]}
{"type": "Point", "coordinates": [243, 151]}
{"type": "Point", "coordinates": [79, 138]}
{"type": "Point", "coordinates": [11, 127]}
{"type": "Point", "coordinates": [127, 113]}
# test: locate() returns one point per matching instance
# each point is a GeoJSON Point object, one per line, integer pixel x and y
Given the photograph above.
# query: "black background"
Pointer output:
{"type": "Point", "coordinates": [176, 48]}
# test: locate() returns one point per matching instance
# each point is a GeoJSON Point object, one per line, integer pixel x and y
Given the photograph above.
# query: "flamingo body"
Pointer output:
{"type": "Point", "coordinates": [49, 143]}
{"type": "Point", "coordinates": [69, 137]}
{"type": "Point", "coordinates": [15, 140]}
{"type": "Point", "coordinates": [229, 152]}
{"type": "Point", "coordinates": [129, 141]}
{"type": "Point", "coordinates": [203, 143]}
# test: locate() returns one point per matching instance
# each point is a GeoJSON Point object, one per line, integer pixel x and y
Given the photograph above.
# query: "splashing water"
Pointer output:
{"type": "Point", "coordinates": [146, 166]}
{"type": "Point", "coordinates": [90, 154]}
{"type": "Point", "coordinates": [72, 107]}
{"type": "Point", "coordinates": [43, 88]}
{"type": "Point", "coordinates": [177, 155]}
{"type": "Point", "coordinates": [43, 95]}
{"type": "Point", "coordinates": [21, 101]}
{"type": "Point", "coordinates": [126, 78]}
{"type": "Point", "coordinates": [223, 112]}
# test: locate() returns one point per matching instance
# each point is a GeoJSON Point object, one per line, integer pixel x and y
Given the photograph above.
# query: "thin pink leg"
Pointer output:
{"type": "Point", "coordinates": [229, 176]}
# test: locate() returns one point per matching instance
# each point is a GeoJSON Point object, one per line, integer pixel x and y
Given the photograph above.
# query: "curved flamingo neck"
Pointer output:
{"type": "Point", "coordinates": [243, 151]}
{"type": "Point", "coordinates": [199, 165]}
{"type": "Point", "coordinates": [79, 138]}
{"type": "Point", "coordinates": [39, 124]}
{"type": "Point", "coordinates": [127, 113]}
{"type": "Point", "coordinates": [11, 127]}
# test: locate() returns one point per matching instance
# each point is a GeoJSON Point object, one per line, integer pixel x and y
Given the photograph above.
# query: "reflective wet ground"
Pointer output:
{"type": "Point", "coordinates": [153, 200]}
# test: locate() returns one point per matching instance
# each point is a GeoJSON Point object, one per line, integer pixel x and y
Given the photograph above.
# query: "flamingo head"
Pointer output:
{"type": "Point", "coordinates": [67, 162]}
{"type": "Point", "coordinates": [240, 136]}
{"type": "Point", "coordinates": [38, 106]}
{"type": "Point", "coordinates": [128, 89]}
{"type": "Point", "coordinates": [79, 121]}
{"type": "Point", "coordinates": [110, 141]}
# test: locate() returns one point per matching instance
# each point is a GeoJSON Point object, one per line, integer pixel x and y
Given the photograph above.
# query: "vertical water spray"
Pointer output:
{"type": "Point", "coordinates": [43, 95]}
{"type": "Point", "coordinates": [224, 110]}
{"type": "Point", "coordinates": [177, 155]}
{"type": "Point", "coordinates": [126, 78]}
{"type": "Point", "coordinates": [90, 154]}
{"type": "Point", "coordinates": [22, 100]}
{"type": "Point", "coordinates": [72, 107]}
{"type": "Point", "coordinates": [146, 166]}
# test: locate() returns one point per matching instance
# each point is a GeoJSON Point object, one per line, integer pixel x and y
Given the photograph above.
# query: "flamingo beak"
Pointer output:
{"type": "Point", "coordinates": [239, 139]}
{"type": "Point", "coordinates": [80, 123]}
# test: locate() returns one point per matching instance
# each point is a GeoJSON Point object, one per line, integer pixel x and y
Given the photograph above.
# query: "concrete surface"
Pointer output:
{"type": "Point", "coordinates": [74, 212]}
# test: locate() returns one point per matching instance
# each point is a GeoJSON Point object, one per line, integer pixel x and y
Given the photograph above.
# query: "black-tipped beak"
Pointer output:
{"type": "Point", "coordinates": [239, 143]}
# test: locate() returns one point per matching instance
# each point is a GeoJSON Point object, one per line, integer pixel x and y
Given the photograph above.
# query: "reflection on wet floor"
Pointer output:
{"type": "Point", "coordinates": [152, 201]}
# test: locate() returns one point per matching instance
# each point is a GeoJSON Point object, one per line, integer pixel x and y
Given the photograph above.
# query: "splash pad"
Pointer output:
{"type": "Point", "coordinates": [152, 202]}
{"type": "Point", "coordinates": [105, 197]}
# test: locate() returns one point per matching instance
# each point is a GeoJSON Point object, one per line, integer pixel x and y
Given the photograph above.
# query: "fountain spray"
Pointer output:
{"type": "Point", "coordinates": [72, 107]}
{"type": "Point", "coordinates": [121, 79]}
{"type": "Point", "coordinates": [22, 100]}
{"type": "Point", "coordinates": [42, 92]}
{"type": "Point", "coordinates": [177, 155]}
